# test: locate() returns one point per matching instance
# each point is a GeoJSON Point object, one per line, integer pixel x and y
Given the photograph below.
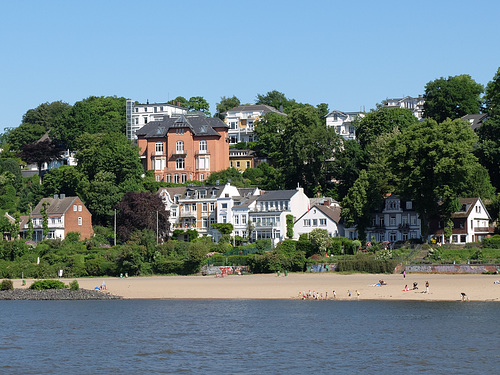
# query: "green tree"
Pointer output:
{"type": "Point", "coordinates": [45, 219]}
{"type": "Point", "coordinates": [381, 121]}
{"type": "Point", "coordinates": [66, 180]}
{"type": "Point", "coordinates": [492, 95]}
{"type": "Point", "coordinates": [24, 134]}
{"type": "Point", "coordinates": [199, 104]}
{"type": "Point", "coordinates": [226, 104]}
{"type": "Point", "coordinates": [488, 149]}
{"type": "Point", "coordinates": [223, 177]}
{"type": "Point", "coordinates": [91, 115]}
{"type": "Point", "coordinates": [349, 160]}
{"type": "Point", "coordinates": [109, 152]}
{"type": "Point", "coordinates": [268, 130]}
{"type": "Point", "coordinates": [289, 226]}
{"type": "Point", "coordinates": [306, 147]}
{"type": "Point", "coordinates": [433, 163]}
{"type": "Point", "coordinates": [182, 101]}
{"type": "Point", "coordinates": [101, 195]}
{"type": "Point", "coordinates": [452, 97]}
{"type": "Point", "coordinates": [320, 239]}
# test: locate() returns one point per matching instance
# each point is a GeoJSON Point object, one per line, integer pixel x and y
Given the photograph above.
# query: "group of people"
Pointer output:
{"type": "Point", "coordinates": [313, 295]}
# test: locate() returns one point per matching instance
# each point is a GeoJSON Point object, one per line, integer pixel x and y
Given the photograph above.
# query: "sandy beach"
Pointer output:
{"type": "Point", "coordinates": [442, 287]}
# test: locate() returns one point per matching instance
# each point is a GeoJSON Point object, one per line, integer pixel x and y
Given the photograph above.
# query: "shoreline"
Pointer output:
{"type": "Point", "coordinates": [443, 287]}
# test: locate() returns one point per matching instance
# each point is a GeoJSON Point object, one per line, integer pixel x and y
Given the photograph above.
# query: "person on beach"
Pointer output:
{"type": "Point", "coordinates": [404, 274]}
{"type": "Point", "coordinates": [349, 293]}
{"type": "Point", "coordinates": [334, 294]}
{"type": "Point", "coordinates": [463, 296]}
{"type": "Point", "coordinates": [357, 293]}
{"type": "Point", "coordinates": [426, 287]}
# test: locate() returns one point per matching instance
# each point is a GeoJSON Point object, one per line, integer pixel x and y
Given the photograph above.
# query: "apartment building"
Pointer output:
{"type": "Point", "coordinates": [342, 123]}
{"type": "Point", "coordinates": [139, 115]}
{"type": "Point", "coordinates": [184, 148]}
{"type": "Point", "coordinates": [241, 121]}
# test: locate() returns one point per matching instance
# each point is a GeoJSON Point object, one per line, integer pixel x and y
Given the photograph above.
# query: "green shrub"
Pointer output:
{"type": "Point", "coordinates": [6, 285]}
{"type": "Point", "coordinates": [74, 285]}
{"type": "Point", "coordinates": [47, 284]}
{"type": "Point", "coordinates": [366, 264]}
{"type": "Point", "coordinates": [492, 242]}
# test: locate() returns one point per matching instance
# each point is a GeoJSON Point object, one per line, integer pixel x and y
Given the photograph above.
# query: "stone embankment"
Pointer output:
{"type": "Point", "coordinates": [56, 294]}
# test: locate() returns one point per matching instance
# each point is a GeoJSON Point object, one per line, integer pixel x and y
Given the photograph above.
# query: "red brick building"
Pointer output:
{"type": "Point", "coordinates": [184, 148]}
{"type": "Point", "coordinates": [65, 215]}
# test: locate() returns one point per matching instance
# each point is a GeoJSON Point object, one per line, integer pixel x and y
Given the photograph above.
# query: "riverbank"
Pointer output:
{"type": "Point", "coordinates": [55, 294]}
{"type": "Point", "coordinates": [442, 287]}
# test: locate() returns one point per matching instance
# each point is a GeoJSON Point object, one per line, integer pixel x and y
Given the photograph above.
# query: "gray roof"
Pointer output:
{"type": "Point", "coordinates": [275, 195]}
{"type": "Point", "coordinates": [332, 212]}
{"type": "Point", "coordinates": [199, 125]}
{"type": "Point", "coordinates": [56, 206]}
{"type": "Point", "coordinates": [476, 120]}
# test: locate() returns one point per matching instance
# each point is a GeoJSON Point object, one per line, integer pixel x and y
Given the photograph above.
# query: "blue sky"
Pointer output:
{"type": "Point", "coordinates": [348, 54]}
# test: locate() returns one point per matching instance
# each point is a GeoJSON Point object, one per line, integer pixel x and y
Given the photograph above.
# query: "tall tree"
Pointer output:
{"type": "Point", "coordinates": [347, 164]}
{"type": "Point", "coordinates": [91, 115]}
{"type": "Point", "coordinates": [488, 149]}
{"type": "Point", "coordinates": [433, 163]}
{"type": "Point", "coordinates": [100, 196]}
{"type": "Point", "coordinates": [381, 121]}
{"type": "Point", "coordinates": [109, 152]}
{"type": "Point", "coordinates": [64, 180]}
{"type": "Point", "coordinates": [452, 97]}
{"type": "Point", "coordinates": [492, 95]}
{"type": "Point", "coordinates": [226, 104]}
{"type": "Point", "coordinates": [138, 211]}
{"type": "Point", "coordinates": [268, 129]}
{"type": "Point", "coordinates": [199, 104]}
{"type": "Point", "coordinates": [306, 148]}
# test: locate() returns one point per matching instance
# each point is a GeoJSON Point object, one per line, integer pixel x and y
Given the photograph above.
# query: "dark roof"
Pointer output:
{"type": "Point", "coordinates": [277, 195]}
{"type": "Point", "coordinates": [199, 125]}
{"type": "Point", "coordinates": [332, 212]}
{"type": "Point", "coordinates": [466, 207]}
{"type": "Point", "coordinates": [57, 206]}
{"type": "Point", "coordinates": [255, 107]}
{"type": "Point", "coordinates": [475, 120]}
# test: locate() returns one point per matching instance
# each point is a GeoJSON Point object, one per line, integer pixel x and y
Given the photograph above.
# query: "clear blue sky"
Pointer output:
{"type": "Point", "coordinates": [348, 54]}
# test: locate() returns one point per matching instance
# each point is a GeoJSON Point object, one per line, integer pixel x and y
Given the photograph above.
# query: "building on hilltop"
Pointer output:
{"type": "Point", "coordinates": [476, 121]}
{"type": "Point", "coordinates": [241, 121]}
{"type": "Point", "coordinates": [241, 159]}
{"type": "Point", "coordinates": [65, 215]}
{"type": "Point", "coordinates": [416, 105]}
{"type": "Point", "coordinates": [139, 115]}
{"type": "Point", "coordinates": [185, 148]}
{"type": "Point", "coordinates": [342, 123]}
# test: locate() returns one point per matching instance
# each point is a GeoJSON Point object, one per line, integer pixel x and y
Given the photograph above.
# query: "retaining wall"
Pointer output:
{"type": "Point", "coordinates": [452, 268]}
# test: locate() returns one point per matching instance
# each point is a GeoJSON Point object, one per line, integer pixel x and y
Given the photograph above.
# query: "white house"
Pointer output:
{"type": "Point", "coordinates": [342, 123]}
{"type": "Point", "coordinates": [416, 105]}
{"type": "Point", "coordinates": [271, 208]}
{"type": "Point", "coordinates": [396, 220]}
{"type": "Point", "coordinates": [470, 223]}
{"type": "Point", "coordinates": [320, 216]}
{"type": "Point", "coordinates": [241, 121]}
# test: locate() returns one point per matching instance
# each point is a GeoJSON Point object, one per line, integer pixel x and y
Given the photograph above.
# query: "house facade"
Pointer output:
{"type": "Point", "coordinates": [416, 105]}
{"type": "Point", "coordinates": [342, 123]}
{"type": "Point", "coordinates": [241, 121]}
{"type": "Point", "coordinates": [241, 159]}
{"type": "Point", "coordinates": [320, 216]}
{"type": "Point", "coordinates": [396, 220]}
{"type": "Point", "coordinates": [65, 215]}
{"type": "Point", "coordinates": [184, 148]}
{"type": "Point", "coordinates": [470, 223]}
{"type": "Point", "coordinates": [138, 115]}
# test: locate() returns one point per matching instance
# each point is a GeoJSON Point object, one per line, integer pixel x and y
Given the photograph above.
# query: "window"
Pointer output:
{"type": "Point", "coordinates": [176, 178]}
{"type": "Point", "coordinates": [237, 164]}
{"type": "Point", "coordinates": [248, 164]}
{"type": "Point", "coordinates": [478, 209]}
{"type": "Point", "coordinates": [236, 219]}
{"type": "Point", "coordinates": [169, 178]}
{"type": "Point", "coordinates": [204, 207]}
{"type": "Point", "coordinates": [145, 118]}
{"type": "Point", "coordinates": [179, 163]}
{"type": "Point", "coordinates": [315, 222]}
{"type": "Point", "coordinates": [80, 221]}
{"type": "Point", "coordinates": [159, 147]}
{"type": "Point", "coordinates": [79, 208]}
{"type": "Point", "coordinates": [202, 177]}
{"type": "Point", "coordinates": [193, 207]}
{"type": "Point", "coordinates": [173, 212]}
{"type": "Point", "coordinates": [158, 178]}
{"type": "Point", "coordinates": [179, 131]}
{"type": "Point", "coordinates": [204, 222]}
{"type": "Point", "coordinates": [392, 220]}
{"type": "Point", "coordinates": [454, 238]}
{"type": "Point", "coordinates": [183, 177]}
{"type": "Point", "coordinates": [224, 205]}
{"type": "Point", "coordinates": [231, 164]}
{"type": "Point", "coordinates": [243, 219]}
{"type": "Point", "coordinates": [203, 162]}
{"type": "Point", "coordinates": [233, 125]}
{"type": "Point", "coordinates": [74, 208]}
{"type": "Point", "coordinates": [179, 147]}
{"type": "Point", "coordinates": [413, 220]}
{"type": "Point", "coordinates": [212, 207]}
{"type": "Point", "coordinates": [463, 238]}
{"type": "Point", "coordinates": [408, 205]}
{"type": "Point", "coordinates": [224, 219]}
{"type": "Point", "coordinates": [203, 147]}
{"type": "Point", "coordinates": [159, 164]}
{"type": "Point", "coordinates": [307, 222]}
{"type": "Point", "coordinates": [322, 222]}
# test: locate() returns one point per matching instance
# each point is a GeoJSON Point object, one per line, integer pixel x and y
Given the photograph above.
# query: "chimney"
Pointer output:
{"type": "Point", "coordinates": [55, 196]}
{"type": "Point", "coordinates": [62, 196]}
{"type": "Point", "coordinates": [327, 202]}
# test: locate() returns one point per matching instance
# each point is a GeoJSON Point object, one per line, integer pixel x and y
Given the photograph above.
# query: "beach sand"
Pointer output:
{"type": "Point", "coordinates": [442, 287]}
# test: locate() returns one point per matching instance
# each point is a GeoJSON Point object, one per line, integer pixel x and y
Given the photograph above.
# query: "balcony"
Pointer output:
{"type": "Point", "coordinates": [404, 228]}
{"type": "Point", "coordinates": [179, 153]}
{"type": "Point", "coordinates": [188, 214]}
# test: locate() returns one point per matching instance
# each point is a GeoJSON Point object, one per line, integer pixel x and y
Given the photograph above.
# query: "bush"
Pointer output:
{"type": "Point", "coordinates": [366, 264]}
{"type": "Point", "coordinates": [7, 285]}
{"type": "Point", "coordinates": [492, 242]}
{"type": "Point", "coordinates": [74, 285]}
{"type": "Point", "coordinates": [47, 284]}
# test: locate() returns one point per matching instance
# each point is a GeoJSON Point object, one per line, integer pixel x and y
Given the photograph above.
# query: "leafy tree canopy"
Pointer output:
{"type": "Point", "coordinates": [381, 121]}
{"type": "Point", "coordinates": [492, 95]}
{"type": "Point", "coordinates": [224, 176]}
{"type": "Point", "coordinates": [488, 149]}
{"type": "Point", "coordinates": [226, 104]}
{"type": "Point", "coordinates": [452, 97]}
{"type": "Point", "coordinates": [139, 211]}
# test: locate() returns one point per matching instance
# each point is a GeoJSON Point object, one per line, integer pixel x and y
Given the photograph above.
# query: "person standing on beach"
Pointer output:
{"type": "Point", "coordinates": [404, 274]}
{"type": "Point", "coordinates": [426, 287]}
{"type": "Point", "coordinates": [357, 293]}
{"type": "Point", "coordinates": [334, 294]}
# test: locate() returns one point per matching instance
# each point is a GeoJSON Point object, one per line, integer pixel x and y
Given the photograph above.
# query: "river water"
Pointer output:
{"type": "Point", "coordinates": [248, 337]}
